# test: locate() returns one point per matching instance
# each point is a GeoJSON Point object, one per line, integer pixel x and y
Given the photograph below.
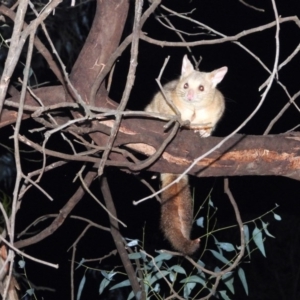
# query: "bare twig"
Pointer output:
{"type": "Point", "coordinates": [281, 112]}
{"type": "Point", "coordinates": [72, 269]}
{"type": "Point", "coordinates": [38, 187]}
{"type": "Point", "coordinates": [12, 58]}
{"type": "Point", "coordinates": [147, 184]}
{"type": "Point", "coordinates": [169, 101]}
{"type": "Point", "coordinates": [46, 217]}
{"type": "Point", "coordinates": [38, 44]}
{"type": "Point", "coordinates": [6, 221]}
{"type": "Point", "coordinates": [98, 201]}
{"type": "Point", "coordinates": [174, 294]}
{"type": "Point", "coordinates": [251, 6]}
{"type": "Point", "coordinates": [10, 257]}
{"type": "Point", "coordinates": [223, 39]}
{"type": "Point", "coordinates": [17, 157]}
{"type": "Point", "coordinates": [117, 236]}
{"type": "Point", "coordinates": [26, 187]}
{"type": "Point", "coordinates": [63, 214]}
{"type": "Point", "coordinates": [19, 40]}
{"type": "Point", "coordinates": [74, 248]}
{"type": "Point", "coordinates": [26, 255]}
{"type": "Point", "coordinates": [111, 253]}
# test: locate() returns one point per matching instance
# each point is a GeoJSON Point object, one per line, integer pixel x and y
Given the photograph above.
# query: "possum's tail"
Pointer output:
{"type": "Point", "coordinates": [177, 214]}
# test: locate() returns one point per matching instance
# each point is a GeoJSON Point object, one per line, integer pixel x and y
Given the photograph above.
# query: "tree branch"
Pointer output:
{"type": "Point", "coordinates": [118, 239]}
{"type": "Point", "coordinates": [240, 155]}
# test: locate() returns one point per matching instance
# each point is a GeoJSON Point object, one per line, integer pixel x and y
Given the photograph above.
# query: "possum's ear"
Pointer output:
{"type": "Point", "coordinates": [187, 67]}
{"type": "Point", "coordinates": [218, 75]}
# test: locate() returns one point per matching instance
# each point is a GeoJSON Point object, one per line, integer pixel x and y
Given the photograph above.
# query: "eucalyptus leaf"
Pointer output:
{"type": "Point", "coordinates": [133, 243]}
{"type": "Point", "coordinates": [21, 263]}
{"type": "Point", "coordinates": [247, 239]}
{"type": "Point", "coordinates": [80, 288]}
{"type": "Point", "coordinates": [30, 292]}
{"type": "Point", "coordinates": [121, 284]}
{"type": "Point", "coordinates": [265, 225]}
{"type": "Point", "coordinates": [157, 288]}
{"type": "Point", "coordinates": [178, 269]}
{"type": "Point", "coordinates": [136, 255]}
{"type": "Point", "coordinates": [163, 256]}
{"type": "Point", "coordinates": [226, 246]}
{"type": "Point", "coordinates": [200, 222]}
{"type": "Point", "coordinates": [188, 289]}
{"type": "Point", "coordinates": [194, 279]}
{"type": "Point", "coordinates": [258, 240]}
{"type": "Point", "coordinates": [220, 257]}
{"type": "Point", "coordinates": [80, 263]}
{"type": "Point", "coordinates": [172, 276]}
{"type": "Point", "coordinates": [277, 217]}
{"type": "Point", "coordinates": [224, 295]}
{"type": "Point", "coordinates": [103, 284]}
{"type": "Point", "coordinates": [201, 263]}
{"type": "Point", "coordinates": [158, 276]}
{"type": "Point", "coordinates": [130, 296]}
{"type": "Point", "coordinates": [228, 279]}
{"type": "Point", "coordinates": [243, 279]}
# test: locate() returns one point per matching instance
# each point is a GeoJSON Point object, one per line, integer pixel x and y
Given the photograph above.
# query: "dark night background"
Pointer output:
{"type": "Point", "coordinates": [274, 277]}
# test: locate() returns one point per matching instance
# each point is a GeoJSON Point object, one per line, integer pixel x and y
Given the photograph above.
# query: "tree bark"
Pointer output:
{"type": "Point", "coordinates": [103, 39]}
{"type": "Point", "coordinates": [240, 156]}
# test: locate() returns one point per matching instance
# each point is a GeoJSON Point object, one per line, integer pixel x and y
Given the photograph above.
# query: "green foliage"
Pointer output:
{"type": "Point", "coordinates": [30, 291]}
{"type": "Point", "coordinates": [80, 288]}
{"type": "Point", "coordinates": [168, 273]}
{"type": "Point", "coordinates": [258, 240]}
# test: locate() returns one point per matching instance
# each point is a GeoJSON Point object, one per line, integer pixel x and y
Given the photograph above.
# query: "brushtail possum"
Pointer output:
{"type": "Point", "coordinates": [197, 99]}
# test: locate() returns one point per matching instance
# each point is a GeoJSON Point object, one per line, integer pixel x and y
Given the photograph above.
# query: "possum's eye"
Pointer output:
{"type": "Point", "coordinates": [201, 88]}
{"type": "Point", "coordinates": [186, 85]}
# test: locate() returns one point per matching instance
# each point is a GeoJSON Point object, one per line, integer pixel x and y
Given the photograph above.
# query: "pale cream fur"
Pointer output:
{"type": "Point", "coordinates": [198, 101]}
{"type": "Point", "coordinates": [202, 108]}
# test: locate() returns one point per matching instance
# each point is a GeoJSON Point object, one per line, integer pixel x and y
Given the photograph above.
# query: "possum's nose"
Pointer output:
{"type": "Point", "coordinates": [190, 95]}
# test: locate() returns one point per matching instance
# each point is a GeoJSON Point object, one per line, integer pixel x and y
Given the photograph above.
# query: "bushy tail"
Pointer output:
{"type": "Point", "coordinates": [182, 244]}
{"type": "Point", "coordinates": [177, 214]}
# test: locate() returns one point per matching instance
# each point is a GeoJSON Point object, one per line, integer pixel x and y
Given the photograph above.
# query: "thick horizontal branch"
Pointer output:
{"type": "Point", "coordinates": [240, 156]}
